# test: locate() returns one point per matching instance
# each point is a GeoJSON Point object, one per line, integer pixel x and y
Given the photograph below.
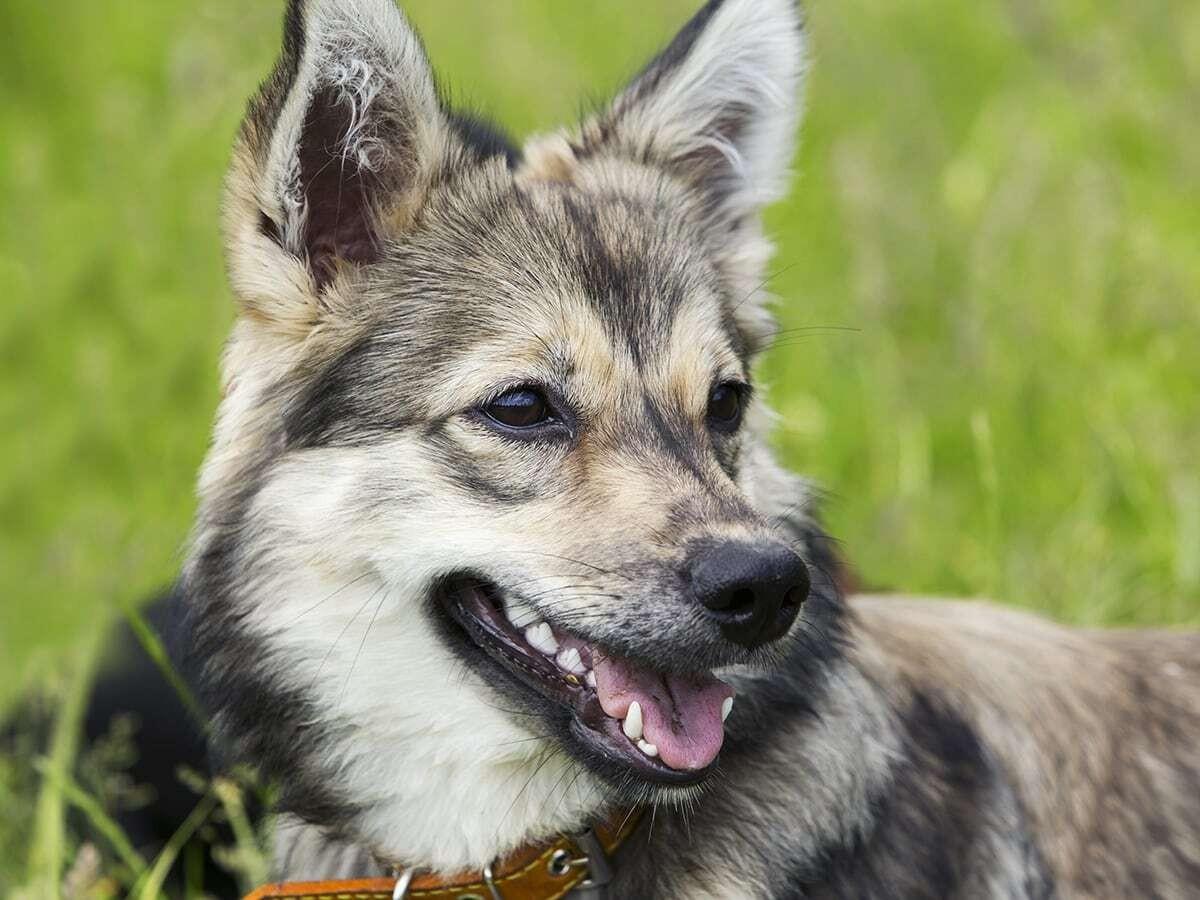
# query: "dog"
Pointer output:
{"type": "Point", "coordinates": [491, 547]}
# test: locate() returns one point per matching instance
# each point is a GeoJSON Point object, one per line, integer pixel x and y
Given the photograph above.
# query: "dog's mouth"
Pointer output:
{"type": "Point", "coordinates": [666, 728]}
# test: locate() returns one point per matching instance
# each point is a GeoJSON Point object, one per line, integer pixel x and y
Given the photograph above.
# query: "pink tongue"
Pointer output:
{"type": "Point", "coordinates": [680, 716]}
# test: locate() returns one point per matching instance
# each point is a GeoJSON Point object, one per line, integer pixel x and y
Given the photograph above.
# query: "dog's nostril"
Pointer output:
{"type": "Point", "coordinates": [795, 596]}
{"type": "Point", "coordinates": [741, 600]}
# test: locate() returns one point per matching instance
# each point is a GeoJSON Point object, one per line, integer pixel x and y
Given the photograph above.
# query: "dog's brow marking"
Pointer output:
{"type": "Point", "coordinates": [699, 346]}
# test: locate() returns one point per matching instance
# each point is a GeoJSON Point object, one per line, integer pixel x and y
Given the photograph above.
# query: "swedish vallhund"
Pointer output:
{"type": "Point", "coordinates": [494, 573]}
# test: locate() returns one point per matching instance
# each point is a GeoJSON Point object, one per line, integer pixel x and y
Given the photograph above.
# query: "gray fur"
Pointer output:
{"type": "Point", "coordinates": [398, 266]}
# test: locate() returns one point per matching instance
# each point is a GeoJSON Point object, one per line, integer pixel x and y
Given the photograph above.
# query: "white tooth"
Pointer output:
{"type": "Point", "coordinates": [632, 726]}
{"type": "Point", "coordinates": [570, 660]}
{"type": "Point", "coordinates": [518, 613]}
{"type": "Point", "coordinates": [590, 678]}
{"type": "Point", "coordinates": [532, 633]}
{"type": "Point", "coordinates": [648, 749]}
{"type": "Point", "coordinates": [726, 708]}
{"type": "Point", "coordinates": [541, 638]}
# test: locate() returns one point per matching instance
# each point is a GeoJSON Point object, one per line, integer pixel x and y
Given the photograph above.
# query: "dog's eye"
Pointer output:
{"type": "Point", "coordinates": [725, 407]}
{"type": "Point", "coordinates": [520, 408]}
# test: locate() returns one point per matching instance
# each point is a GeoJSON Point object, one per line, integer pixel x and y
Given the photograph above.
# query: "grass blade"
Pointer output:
{"type": "Point", "coordinates": [150, 885]}
{"type": "Point", "coordinates": [253, 863]}
{"type": "Point", "coordinates": [155, 649]}
{"type": "Point", "coordinates": [91, 807]}
{"type": "Point", "coordinates": [48, 846]}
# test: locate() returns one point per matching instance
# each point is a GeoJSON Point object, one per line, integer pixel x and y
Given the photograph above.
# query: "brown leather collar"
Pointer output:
{"type": "Point", "coordinates": [540, 872]}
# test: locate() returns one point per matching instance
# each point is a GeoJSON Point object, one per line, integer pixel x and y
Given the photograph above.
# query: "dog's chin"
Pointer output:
{"type": "Point", "coordinates": [586, 698]}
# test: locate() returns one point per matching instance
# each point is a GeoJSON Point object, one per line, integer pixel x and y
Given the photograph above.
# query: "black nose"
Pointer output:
{"type": "Point", "coordinates": [753, 592]}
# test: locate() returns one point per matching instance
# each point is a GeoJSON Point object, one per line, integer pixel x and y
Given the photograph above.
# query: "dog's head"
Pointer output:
{"type": "Point", "coordinates": [488, 502]}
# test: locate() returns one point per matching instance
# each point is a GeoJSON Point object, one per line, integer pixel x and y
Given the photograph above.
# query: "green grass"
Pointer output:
{"type": "Point", "coordinates": [1000, 198]}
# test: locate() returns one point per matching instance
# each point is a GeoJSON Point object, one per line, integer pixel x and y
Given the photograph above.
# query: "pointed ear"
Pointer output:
{"type": "Point", "coordinates": [719, 107]}
{"type": "Point", "coordinates": [334, 156]}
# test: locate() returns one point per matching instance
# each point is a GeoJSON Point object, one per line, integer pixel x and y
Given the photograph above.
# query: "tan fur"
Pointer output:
{"type": "Point", "coordinates": [548, 158]}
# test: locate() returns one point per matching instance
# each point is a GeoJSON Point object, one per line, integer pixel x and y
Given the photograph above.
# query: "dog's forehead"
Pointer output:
{"type": "Point", "coordinates": [607, 296]}
{"type": "Point", "coordinates": [613, 285]}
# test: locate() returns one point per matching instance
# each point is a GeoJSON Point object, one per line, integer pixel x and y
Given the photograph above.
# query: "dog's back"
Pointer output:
{"type": "Point", "coordinates": [1096, 731]}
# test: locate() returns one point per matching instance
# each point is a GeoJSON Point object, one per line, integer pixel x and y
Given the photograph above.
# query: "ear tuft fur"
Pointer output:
{"type": "Point", "coordinates": [548, 158]}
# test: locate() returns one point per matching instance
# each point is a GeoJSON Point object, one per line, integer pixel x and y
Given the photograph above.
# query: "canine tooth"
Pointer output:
{"type": "Point", "coordinates": [590, 678]}
{"type": "Point", "coordinates": [541, 638]}
{"type": "Point", "coordinates": [632, 726]}
{"type": "Point", "coordinates": [648, 749]}
{"type": "Point", "coordinates": [569, 659]}
{"type": "Point", "coordinates": [726, 708]}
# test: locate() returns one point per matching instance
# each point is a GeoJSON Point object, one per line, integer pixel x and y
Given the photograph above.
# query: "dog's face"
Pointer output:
{"type": "Point", "coordinates": [487, 505]}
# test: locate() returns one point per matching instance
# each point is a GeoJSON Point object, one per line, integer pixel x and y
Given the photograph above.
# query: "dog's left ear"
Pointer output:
{"type": "Point", "coordinates": [719, 107]}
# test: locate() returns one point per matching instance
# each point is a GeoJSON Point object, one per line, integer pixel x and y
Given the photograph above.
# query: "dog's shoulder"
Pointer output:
{"type": "Point", "coordinates": [1098, 731]}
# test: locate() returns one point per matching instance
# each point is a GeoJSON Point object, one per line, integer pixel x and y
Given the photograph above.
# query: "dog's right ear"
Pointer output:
{"type": "Point", "coordinates": [333, 160]}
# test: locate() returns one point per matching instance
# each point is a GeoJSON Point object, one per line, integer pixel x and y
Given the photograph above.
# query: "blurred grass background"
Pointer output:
{"type": "Point", "coordinates": [1001, 198]}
